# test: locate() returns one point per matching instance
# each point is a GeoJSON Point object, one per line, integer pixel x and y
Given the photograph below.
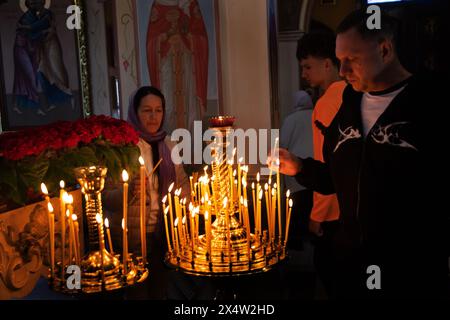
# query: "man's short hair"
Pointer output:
{"type": "Point", "coordinates": [317, 45]}
{"type": "Point", "coordinates": [358, 20]}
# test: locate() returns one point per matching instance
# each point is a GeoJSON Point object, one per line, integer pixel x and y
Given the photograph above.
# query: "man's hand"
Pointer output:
{"type": "Point", "coordinates": [289, 164]}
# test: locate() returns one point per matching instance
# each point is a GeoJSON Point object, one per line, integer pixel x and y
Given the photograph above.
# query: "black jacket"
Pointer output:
{"type": "Point", "coordinates": [385, 181]}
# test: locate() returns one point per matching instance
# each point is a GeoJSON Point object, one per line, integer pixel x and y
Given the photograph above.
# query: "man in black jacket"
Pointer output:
{"type": "Point", "coordinates": [377, 151]}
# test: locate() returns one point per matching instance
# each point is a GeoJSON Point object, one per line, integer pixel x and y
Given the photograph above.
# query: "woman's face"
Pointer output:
{"type": "Point", "coordinates": [150, 113]}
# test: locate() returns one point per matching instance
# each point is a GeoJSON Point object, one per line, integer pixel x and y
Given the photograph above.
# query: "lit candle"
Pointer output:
{"type": "Point", "coordinates": [258, 208]}
{"type": "Point", "coordinates": [71, 235]}
{"type": "Point", "coordinates": [125, 220]}
{"type": "Point", "coordinates": [171, 228]}
{"type": "Point", "coordinates": [51, 231]}
{"type": "Point", "coordinates": [166, 210]}
{"type": "Point", "coordinates": [98, 217]}
{"type": "Point", "coordinates": [279, 199]}
{"type": "Point", "coordinates": [62, 212]}
{"type": "Point", "coordinates": [183, 228]}
{"type": "Point", "coordinates": [288, 220]}
{"type": "Point", "coordinates": [247, 225]}
{"type": "Point", "coordinates": [108, 234]}
{"type": "Point", "coordinates": [176, 236]}
{"type": "Point", "coordinates": [77, 239]}
{"type": "Point", "coordinates": [192, 214]}
{"type": "Point", "coordinates": [208, 233]}
{"type": "Point", "coordinates": [69, 213]}
{"type": "Point", "coordinates": [288, 193]}
{"type": "Point", "coordinates": [192, 189]}
{"type": "Point", "coordinates": [254, 205]}
{"type": "Point", "coordinates": [268, 208]}
{"type": "Point", "coordinates": [50, 227]}
{"type": "Point", "coordinates": [178, 212]}
{"type": "Point", "coordinates": [143, 209]}
{"type": "Point", "coordinates": [260, 195]}
{"type": "Point", "coordinates": [273, 215]}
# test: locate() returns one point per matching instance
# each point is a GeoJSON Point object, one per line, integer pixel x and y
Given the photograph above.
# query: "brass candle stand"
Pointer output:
{"type": "Point", "coordinates": [100, 269]}
{"type": "Point", "coordinates": [227, 245]}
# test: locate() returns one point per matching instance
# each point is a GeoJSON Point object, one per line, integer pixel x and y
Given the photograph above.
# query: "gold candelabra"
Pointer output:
{"type": "Point", "coordinates": [101, 269]}
{"type": "Point", "coordinates": [227, 245]}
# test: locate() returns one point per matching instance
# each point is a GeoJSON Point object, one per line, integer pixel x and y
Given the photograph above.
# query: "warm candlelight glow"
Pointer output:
{"type": "Point", "coordinates": [141, 161]}
{"type": "Point", "coordinates": [171, 186]}
{"type": "Point", "coordinates": [44, 189]}
{"type": "Point", "coordinates": [62, 184]}
{"type": "Point", "coordinates": [50, 207]}
{"type": "Point", "coordinates": [125, 175]}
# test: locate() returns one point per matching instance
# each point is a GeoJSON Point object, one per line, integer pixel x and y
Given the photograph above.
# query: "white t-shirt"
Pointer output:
{"type": "Point", "coordinates": [373, 105]}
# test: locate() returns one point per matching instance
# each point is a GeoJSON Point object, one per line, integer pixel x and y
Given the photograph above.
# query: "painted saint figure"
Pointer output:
{"type": "Point", "coordinates": [39, 70]}
{"type": "Point", "coordinates": [177, 58]}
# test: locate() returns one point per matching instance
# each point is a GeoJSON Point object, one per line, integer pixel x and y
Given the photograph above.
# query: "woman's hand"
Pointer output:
{"type": "Point", "coordinates": [289, 164]}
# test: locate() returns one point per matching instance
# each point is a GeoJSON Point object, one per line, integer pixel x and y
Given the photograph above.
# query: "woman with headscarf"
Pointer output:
{"type": "Point", "coordinates": [146, 113]}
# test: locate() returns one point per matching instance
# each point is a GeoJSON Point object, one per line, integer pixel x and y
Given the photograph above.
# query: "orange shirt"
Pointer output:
{"type": "Point", "coordinates": [326, 207]}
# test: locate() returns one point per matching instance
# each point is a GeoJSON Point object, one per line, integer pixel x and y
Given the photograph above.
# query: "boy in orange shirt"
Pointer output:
{"type": "Point", "coordinates": [320, 68]}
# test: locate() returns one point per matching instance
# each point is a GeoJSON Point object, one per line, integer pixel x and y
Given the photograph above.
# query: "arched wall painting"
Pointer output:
{"type": "Point", "coordinates": [177, 53]}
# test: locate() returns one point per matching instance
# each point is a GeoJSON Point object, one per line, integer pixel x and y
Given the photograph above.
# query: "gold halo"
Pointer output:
{"type": "Point", "coordinates": [25, 9]}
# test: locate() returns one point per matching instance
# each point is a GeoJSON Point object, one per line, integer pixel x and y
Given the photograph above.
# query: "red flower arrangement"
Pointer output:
{"type": "Point", "coordinates": [50, 153]}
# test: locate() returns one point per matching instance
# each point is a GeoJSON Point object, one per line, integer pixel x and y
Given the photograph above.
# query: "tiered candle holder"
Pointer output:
{"type": "Point", "coordinates": [227, 246]}
{"type": "Point", "coordinates": [101, 270]}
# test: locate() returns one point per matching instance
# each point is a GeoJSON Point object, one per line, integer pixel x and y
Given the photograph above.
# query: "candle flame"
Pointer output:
{"type": "Point", "coordinates": [241, 159]}
{"type": "Point", "coordinates": [273, 192]}
{"type": "Point", "coordinates": [193, 214]}
{"type": "Point", "coordinates": [50, 207]}
{"type": "Point", "coordinates": [257, 177]}
{"type": "Point", "coordinates": [270, 180]}
{"type": "Point", "coordinates": [62, 184]}
{"type": "Point", "coordinates": [253, 185]}
{"type": "Point", "coordinates": [171, 186]}
{"type": "Point", "coordinates": [244, 183]}
{"type": "Point", "coordinates": [288, 193]}
{"type": "Point", "coordinates": [125, 175]}
{"type": "Point", "coordinates": [67, 213]}
{"type": "Point", "coordinates": [242, 200]}
{"type": "Point", "coordinates": [98, 217]}
{"type": "Point", "coordinates": [206, 215]}
{"type": "Point", "coordinates": [106, 223]}
{"type": "Point", "coordinates": [291, 203]}
{"type": "Point", "coordinates": [69, 199]}
{"type": "Point", "coordinates": [183, 221]}
{"type": "Point", "coordinates": [164, 199]}
{"type": "Point", "coordinates": [234, 173]}
{"type": "Point", "coordinates": [260, 194]}
{"type": "Point", "coordinates": [141, 161]}
{"type": "Point", "coordinates": [245, 203]}
{"type": "Point", "coordinates": [166, 210]}
{"type": "Point", "coordinates": [266, 187]}
{"type": "Point", "coordinates": [191, 206]}
{"type": "Point", "coordinates": [275, 185]}
{"type": "Point", "coordinates": [205, 168]}
{"type": "Point", "coordinates": [74, 217]}
{"type": "Point", "coordinates": [44, 189]}
{"type": "Point", "coordinates": [225, 201]}
{"type": "Point", "coordinates": [65, 197]}
{"type": "Point", "coordinates": [176, 222]}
